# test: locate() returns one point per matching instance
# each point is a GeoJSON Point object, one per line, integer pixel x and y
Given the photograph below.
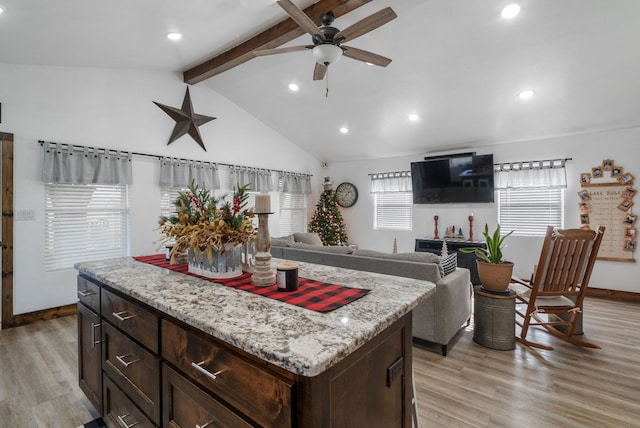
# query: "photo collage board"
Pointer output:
{"type": "Point", "coordinates": [607, 199]}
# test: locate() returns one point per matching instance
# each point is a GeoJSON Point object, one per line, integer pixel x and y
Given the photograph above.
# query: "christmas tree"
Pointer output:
{"type": "Point", "coordinates": [327, 221]}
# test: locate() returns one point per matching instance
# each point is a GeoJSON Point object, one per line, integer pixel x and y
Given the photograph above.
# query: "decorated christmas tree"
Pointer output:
{"type": "Point", "coordinates": [327, 221]}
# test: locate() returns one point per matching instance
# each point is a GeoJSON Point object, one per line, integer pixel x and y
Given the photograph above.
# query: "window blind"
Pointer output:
{"type": "Point", "coordinates": [293, 213]}
{"type": "Point", "coordinates": [84, 222]}
{"type": "Point", "coordinates": [528, 211]}
{"type": "Point", "coordinates": [393, 210]}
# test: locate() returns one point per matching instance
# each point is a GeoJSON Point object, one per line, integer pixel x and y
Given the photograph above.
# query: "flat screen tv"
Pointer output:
{"type": "Point", "coordinates": [453, 179]}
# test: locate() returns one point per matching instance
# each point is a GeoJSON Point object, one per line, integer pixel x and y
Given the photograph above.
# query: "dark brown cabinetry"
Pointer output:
{"type": "Point", "coordinates": [141, 367]}
{"type": "Point", "coordinates": [89, 355]}
{"type": "Point", "coordinates": [465, 260]}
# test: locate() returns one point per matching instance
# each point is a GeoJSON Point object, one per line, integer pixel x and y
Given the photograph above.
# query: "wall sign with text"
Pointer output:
{"type": "Point", "coordinates": [606, 199]}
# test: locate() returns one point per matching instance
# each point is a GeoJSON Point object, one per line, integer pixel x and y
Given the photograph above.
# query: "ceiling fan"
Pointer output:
{"type": "Point", "coordinates": [327, 45]}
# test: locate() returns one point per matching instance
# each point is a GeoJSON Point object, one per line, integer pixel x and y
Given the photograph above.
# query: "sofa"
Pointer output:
{"type": "Point", "coordinates": [435, 320]}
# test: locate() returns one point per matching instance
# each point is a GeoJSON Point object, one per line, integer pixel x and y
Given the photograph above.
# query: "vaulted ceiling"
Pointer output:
{"type": "Point", "coordinates": [456, 63]}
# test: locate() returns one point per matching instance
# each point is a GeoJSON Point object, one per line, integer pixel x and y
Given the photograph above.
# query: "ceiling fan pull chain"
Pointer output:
{"type": "Point", "coordinates": [326, 94]}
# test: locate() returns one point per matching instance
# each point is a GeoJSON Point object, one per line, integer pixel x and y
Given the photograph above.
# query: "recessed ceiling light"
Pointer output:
{"type": "Point", "coordinates": [414, 117]}
{"type": "Point", "coordinates": [293, 87]}
{"type": "Point", "coordinates": [1, 9]}
{"type": "Point", "coordinates": [368, 63]}
{"type": "Point", "coordinates": [510, 11]}
{"type": "Point", "coordinates": [344, 130]}
{"type": "Point", "coordinates": [174, 36]}
{"type": "Point", "coordinates": [526, 94]}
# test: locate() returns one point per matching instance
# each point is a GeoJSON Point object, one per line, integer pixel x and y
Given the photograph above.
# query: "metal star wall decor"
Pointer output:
{"type": "Point", "coordinates": [187, 122]}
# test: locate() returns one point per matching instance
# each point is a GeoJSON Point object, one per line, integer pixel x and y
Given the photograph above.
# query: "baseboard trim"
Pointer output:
{"type": "Point", "coordinates": [626, 296]}
{"type": "Point", "coordinates": [43, 315]}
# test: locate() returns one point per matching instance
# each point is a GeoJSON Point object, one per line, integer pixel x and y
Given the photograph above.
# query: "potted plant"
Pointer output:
{"type": "Point", "coordinates": [494, 272]}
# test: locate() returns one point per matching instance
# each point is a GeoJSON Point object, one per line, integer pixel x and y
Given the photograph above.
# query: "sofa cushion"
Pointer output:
{"type": "Point", "coordinates": [334, 249]}
{"type": "Point", "coordinates": [307, 238]}
{"type": "Point", "coordinates": [282, 241]}
{"type": "Point", "coordinates": [448, 264]}
{"type": "Point", "coordinates": [409, 257]}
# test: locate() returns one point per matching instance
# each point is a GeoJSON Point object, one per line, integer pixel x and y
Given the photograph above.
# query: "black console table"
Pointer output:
{"type": "Point", "coordinates": [465, 260]}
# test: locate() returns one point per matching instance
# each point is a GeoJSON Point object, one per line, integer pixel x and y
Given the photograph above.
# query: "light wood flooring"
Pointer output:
{"type": "Point", "coordinates": [472, 387]}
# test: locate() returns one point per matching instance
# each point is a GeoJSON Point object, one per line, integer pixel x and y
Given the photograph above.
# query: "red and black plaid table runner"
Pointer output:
{"type": "Point", "coordinates": [311, 294]}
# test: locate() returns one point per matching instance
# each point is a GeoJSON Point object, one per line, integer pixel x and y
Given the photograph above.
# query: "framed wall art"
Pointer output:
{"type": "Point", "coordinates": [607, 198]}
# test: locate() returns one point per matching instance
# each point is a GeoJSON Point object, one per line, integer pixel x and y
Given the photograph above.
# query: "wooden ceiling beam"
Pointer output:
{"type": "Point", "coordinates": [273, 37]}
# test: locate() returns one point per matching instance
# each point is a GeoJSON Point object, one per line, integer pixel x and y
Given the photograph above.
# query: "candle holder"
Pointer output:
{"type": "Point", "coordinates": [435, 231]}
{"type": "Point", "coordinates": [263, 275]}
{"type": "Point", "coordinates": [470, 228]}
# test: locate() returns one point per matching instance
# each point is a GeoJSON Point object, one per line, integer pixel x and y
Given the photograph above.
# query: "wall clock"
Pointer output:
{"type": "Point", "coordinates": [346, 195]}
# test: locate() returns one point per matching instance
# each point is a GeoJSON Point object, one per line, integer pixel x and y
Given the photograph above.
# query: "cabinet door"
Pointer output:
{"type": "Point", "coordinates": [89, 355]}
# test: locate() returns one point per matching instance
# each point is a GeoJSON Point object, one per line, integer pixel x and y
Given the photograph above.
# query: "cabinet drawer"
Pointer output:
{"type": "Point", "coordinates": [89, 294]}
{"type": "Point", "coordinates": [134, 369]}
{"type": "Point", "coordinates": [263, 396]}
{"type": "Point", "coordinates": [186, 405]}
{"type": "Point", "coordinates": [119, 411]}
{"type": "Point", "coordinates": [130, 317]}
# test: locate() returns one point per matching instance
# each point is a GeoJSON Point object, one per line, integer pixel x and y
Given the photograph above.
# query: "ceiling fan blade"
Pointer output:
{"type": "Point", "coordinates": [301, 18]}
{"type": "Point", "coordinates": [319, 71]}
{"type": "Point", "coordinates": [365, 56]}
{"type": "Point", "coordinates": [367, 24]}
{"type": "Point", "coordinates": [274, 51]}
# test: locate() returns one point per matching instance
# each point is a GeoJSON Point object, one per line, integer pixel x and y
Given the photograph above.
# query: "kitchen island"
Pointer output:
{"type": "Point", "coordinates": [176, 350]}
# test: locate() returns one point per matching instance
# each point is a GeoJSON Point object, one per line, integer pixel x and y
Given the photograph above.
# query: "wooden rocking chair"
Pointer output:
{"type": "Point", "coordinates": [558, 286]}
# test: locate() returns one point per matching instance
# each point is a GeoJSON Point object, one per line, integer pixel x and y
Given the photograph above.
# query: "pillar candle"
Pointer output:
{"type": "Point", "coordinates": [263, 203]}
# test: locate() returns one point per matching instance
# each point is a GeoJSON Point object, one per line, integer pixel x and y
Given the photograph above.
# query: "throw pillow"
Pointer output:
{"type": "Point", "coordinates": [282, 241]}
{"type": "Point", "coordinates": [307, 238]}
{"type": "Point", "coordinates": [448, 264]}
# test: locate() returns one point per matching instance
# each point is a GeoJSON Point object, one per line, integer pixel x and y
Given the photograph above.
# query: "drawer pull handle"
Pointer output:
{"type": "Point", "coordinates": [124, 423]}
{"type": "Point", "coordinates": [94, 342]}
{"type": "Point", "coordinates": [198, 366]}
{"type": "Point", "coordinates": [123, 316]}
{"type": "Point", "coordinates": [86, 293]}
{"type": "Point", "coordinates": [125, 363]}
{"type": "Point", "coordinates": [205, 425]}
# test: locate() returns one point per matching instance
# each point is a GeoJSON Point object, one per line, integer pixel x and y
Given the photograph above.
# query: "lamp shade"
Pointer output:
{"type": "Point", "coordinates": [327, 54]}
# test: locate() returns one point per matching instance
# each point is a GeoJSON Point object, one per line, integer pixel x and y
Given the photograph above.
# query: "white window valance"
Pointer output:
{"type": "Point", "coordinates": [179, 173]}
{"type": "Point", "coordinates": [545, 174]}
{"type": "Point", "coordinates": [260, 180]}
{"type": "Point", "coordinates": [64, 163]}
{"type": "Point", "coordinates": [384, 182]}
{"type": "Point", "coordinates": [295, 183]}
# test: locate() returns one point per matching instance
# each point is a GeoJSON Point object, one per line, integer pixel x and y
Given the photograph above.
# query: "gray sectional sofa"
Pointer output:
{"type": "Point", "coordinates": [436, 320]}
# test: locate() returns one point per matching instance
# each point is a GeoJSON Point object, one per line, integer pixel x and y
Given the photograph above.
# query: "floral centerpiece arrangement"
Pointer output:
{"type": "Point", "coordinates": [207, 227]}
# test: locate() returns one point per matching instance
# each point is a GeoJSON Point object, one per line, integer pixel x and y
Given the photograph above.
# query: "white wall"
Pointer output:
{"type": "Point", "coordinates": [586, 150]}
{"type": "Point", "coordinates": [113, 108]}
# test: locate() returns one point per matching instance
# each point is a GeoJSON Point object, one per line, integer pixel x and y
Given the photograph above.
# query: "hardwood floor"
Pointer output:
{"type": "Point", "coordinates": [472, 387]}
{"type": "Point", "coordinates": [38, 376]}
{"type": "Point", "coordinates": [567, 387]}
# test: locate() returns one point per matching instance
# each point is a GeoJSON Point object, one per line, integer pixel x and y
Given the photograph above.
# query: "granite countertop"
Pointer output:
{"type": "Point", "coordinates": [299, 340]}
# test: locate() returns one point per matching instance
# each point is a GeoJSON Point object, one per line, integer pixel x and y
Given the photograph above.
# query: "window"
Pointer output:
{"type": "Point", "coordinates": [167, 198]}
{"type": "Point", "coordinates": [531, 196]}
{"type": "Point", "coordinates": [528, 212]}
{"type": "Point", "coordinates": [84, 222]}
{"type": "Point", "coordinates": [393, 210]}
{"type": "Point", "coordinates": [293, 213]}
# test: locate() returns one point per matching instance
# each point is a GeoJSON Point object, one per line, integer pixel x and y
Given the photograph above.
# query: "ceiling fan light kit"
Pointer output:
{"type": "Point", "coordinates": [326, 54]}
{"type": "Point", "coordinates": [327, 40]}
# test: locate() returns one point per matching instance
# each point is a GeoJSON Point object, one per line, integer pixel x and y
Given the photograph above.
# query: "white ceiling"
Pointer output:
{"type": "Point", "coordinates": [457, 63]}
